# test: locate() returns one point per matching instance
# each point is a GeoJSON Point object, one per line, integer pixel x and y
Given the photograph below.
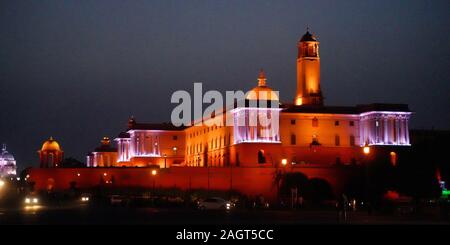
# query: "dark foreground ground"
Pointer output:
{"type": "Point", "coordinates": [79, 214]}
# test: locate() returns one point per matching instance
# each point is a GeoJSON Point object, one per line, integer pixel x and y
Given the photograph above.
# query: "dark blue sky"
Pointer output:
{"type": "Point", "coordinates": [77, 70]}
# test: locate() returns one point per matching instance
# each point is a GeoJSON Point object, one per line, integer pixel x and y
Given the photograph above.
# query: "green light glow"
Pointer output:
{"type": "Point", "coordinates": [445, 193]}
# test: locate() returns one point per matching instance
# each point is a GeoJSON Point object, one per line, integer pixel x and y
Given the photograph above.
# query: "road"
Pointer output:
{"type": "Point", "coordinates": [79, 214]}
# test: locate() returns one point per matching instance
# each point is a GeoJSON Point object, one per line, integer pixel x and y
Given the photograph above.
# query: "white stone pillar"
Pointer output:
{"type": "Point", "coordinates": [402, 128]}
{"type": "Point", "coordinates": [407, 131]}
{"type": "Point", "coordinates": [397, 130]}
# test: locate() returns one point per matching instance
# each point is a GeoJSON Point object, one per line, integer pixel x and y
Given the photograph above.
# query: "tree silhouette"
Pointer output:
{"type": "Point", "coordinates": [71, 162]}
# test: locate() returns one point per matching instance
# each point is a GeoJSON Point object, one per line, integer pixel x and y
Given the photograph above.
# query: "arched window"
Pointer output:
{"type": "Point", "coordinates": [337, 140]}
{"type": "Point", "coordinates": [261, 157]}
{"type": "Point", "coordinates": [293, 139]}
{"type": "Point", "coordinates": [51, 160]}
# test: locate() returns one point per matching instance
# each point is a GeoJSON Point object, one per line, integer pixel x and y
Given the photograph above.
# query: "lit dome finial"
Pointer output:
{"type": "Point", "coordinates": [262, 78]}
{"type": "Point", "coordinates": [262, 91]}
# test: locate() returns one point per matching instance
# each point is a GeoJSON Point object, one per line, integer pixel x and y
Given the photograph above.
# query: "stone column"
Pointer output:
{"type": "Point", "coordinates": [397, 126]}
{"type": "Point", "coordinates": [407, 131]}
{"type": "Point", "coordinates": [385, 127]}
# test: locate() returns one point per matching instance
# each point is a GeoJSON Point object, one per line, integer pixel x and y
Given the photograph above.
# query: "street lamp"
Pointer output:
{"type": "Point", "coordinates": [165, 160]}
{"type": "Point", "coordinates": [154, 172]}
{"type": "Point", "coordinates": [366, 149]}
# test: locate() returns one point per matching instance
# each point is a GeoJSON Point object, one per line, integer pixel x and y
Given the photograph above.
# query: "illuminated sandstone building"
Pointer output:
{"type": "Point", "coordinates": [303, 136]}
{"type": "Point", "coordinates": [50, 155]}
{"type": "Point", "coordinates": [309, 133]}
{"type": "Point", "coordinates": [103, 156]}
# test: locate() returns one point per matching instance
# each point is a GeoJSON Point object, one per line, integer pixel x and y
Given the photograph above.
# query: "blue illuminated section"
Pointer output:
{"type": "Point", "coordinates": [256, 125]}
{"type": "Point", "coordinates": [384, 128]}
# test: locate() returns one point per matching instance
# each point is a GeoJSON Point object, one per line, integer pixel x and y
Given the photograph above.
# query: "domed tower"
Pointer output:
{"type": "Point", "coordinates": [7, 163]}
{"type": "Point", "coordinates": [50, 155]}
{"type": "Point", "coordinates": [308, 71]}
{"type": "Point", "coordinates": [258, 120]}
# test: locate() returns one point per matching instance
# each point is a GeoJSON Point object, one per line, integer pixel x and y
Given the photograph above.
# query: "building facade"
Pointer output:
{"type": "Point", "coordinates": [103, 156]}
{"type": "Point", "coordinates": [307, 131]}
{"type": "Point", "coordinates": [50, 155]}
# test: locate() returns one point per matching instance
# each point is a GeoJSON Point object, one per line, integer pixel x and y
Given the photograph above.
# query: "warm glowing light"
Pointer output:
{"type": "Point", "coordinates": [299, 101]}
{"type": "Point", "coordinates": [393, 157]}
{"type": "Point", "coordinates": [104, 174]}
{"type": "Point", "coordinates": [35, 200]}
{"type": "Point", "coordinates": [174, 148]}
{"type": "Point", "coordinates": [366, 149]}
{"type": "Point", "coordinates": [154, 172]}
{"type": "Point", "coordinates": [27, 200]}
{"type": "Point", "coordinates": [2, 183]}
{"type": "Point", "coordinates": [78, 174]}
{"type": "Point", "coordinates": [284, 161]}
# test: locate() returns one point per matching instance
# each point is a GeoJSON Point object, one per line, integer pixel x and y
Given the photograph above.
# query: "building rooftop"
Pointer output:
{"type": "Point", "coordinates": [308, 37]}
{"type": "Point", "coordinates": [155, 126]}
{"type": "Point", "coordinates": [345, 109]}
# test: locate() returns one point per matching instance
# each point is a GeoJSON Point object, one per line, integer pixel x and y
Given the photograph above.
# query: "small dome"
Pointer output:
{"type": "Point", "coordinates": [105, 141]}
{"type": "Point", "coordinates": [308, 37]}
{"type": "Point", "coordinates": [262, 91]}
{"type": "Point", "coordinates": [50, 145]}
{"type": "Point", "coordinates": [5, 155]}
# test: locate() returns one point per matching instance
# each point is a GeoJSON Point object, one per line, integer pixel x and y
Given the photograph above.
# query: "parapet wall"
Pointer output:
{"type": "Point", "coordinates": [250, 181]}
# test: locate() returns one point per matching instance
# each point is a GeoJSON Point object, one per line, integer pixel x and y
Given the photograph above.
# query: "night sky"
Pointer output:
{"type": "Point", "coordinates": [76, 70]}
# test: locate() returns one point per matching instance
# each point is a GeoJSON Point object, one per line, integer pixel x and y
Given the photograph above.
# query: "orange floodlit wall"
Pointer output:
{"type": "Point", "coordinates": [248, 181]}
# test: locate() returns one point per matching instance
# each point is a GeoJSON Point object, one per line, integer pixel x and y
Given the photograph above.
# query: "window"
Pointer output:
{"type": "Point", "coordinates": [352, 140]}
{"type": "Point", "coordinates": [261, 157]}
{"type": "Point", "coordinates": [352, 123]}
{"type": "Point", "coordinates": [393, 158]}
{"type": "Point", "coordinates": [175, 137]}
{"type": "Point", "coordinates": [293, 139]}
{"type": "Point", "coordinates": [336, 123]}
{"type": "Point", "coordinates": [292, 121]}
{"type": "Point", "coordinates": [337, 140]}
{"type": "Point", "coordinates": [315, 122]}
